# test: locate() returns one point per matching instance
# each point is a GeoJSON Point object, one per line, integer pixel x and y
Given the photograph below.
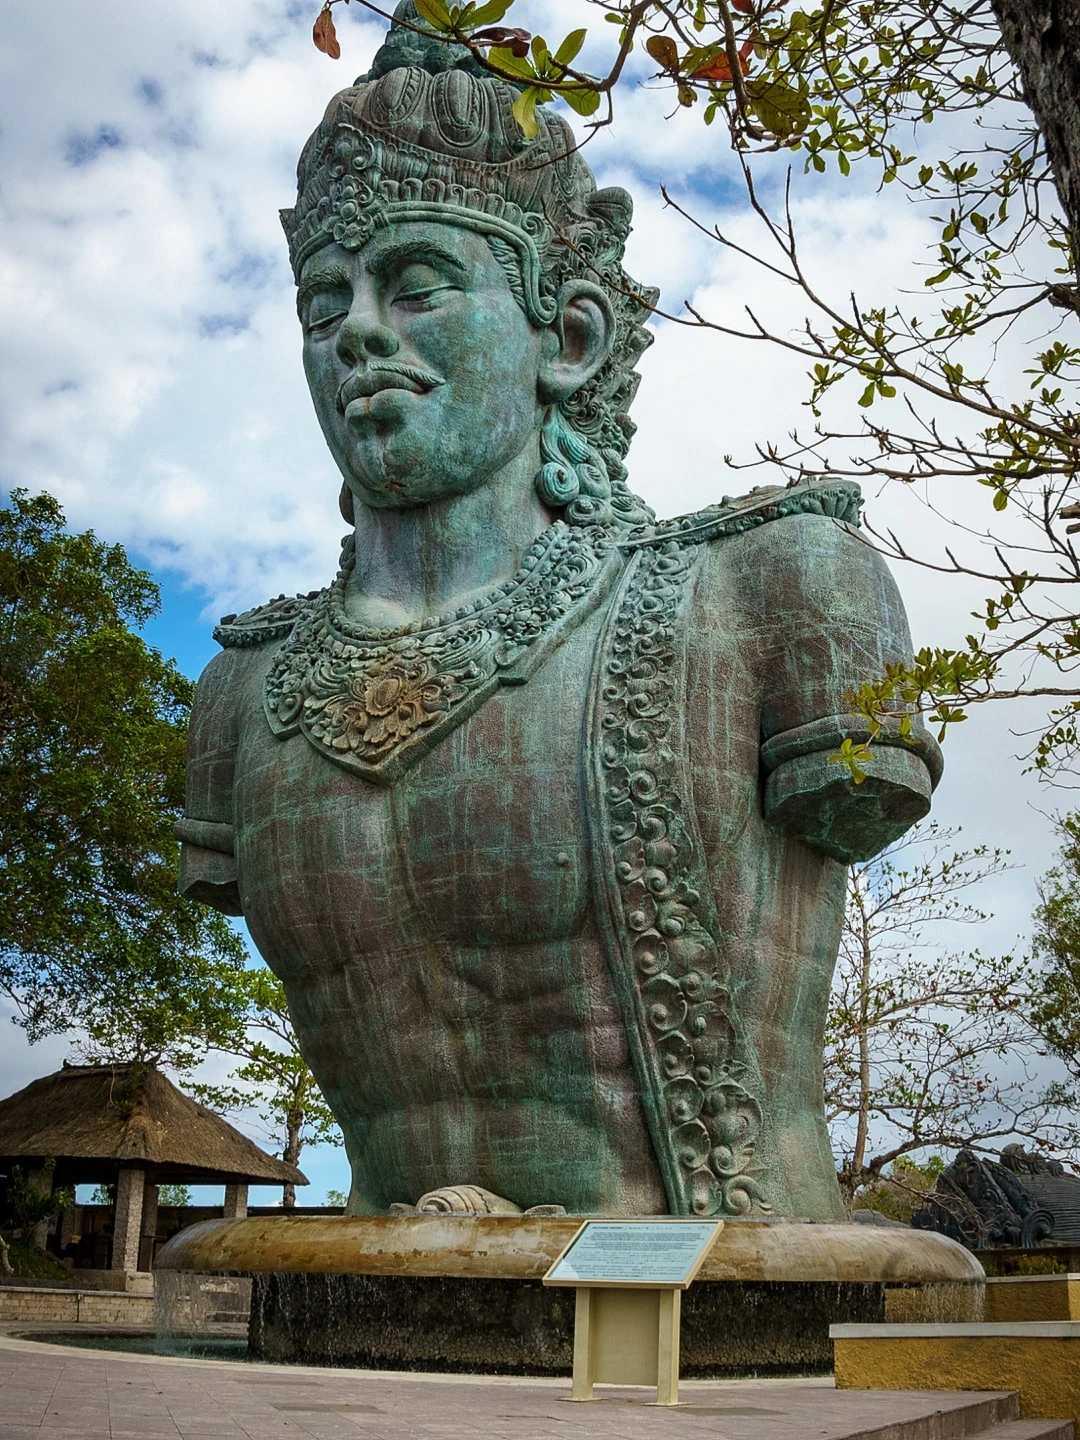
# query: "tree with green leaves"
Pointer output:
{"type": "Point", "coordinates": [1057, 949]}
{"type": "Point", "coordinates": [927, 1046]}
{"type": "Point", "coordinates": [92, 746]}
{"type": "Point", "coordinates": [273, 1079]}
{"type": "Point", "coordinates": [973, 108]}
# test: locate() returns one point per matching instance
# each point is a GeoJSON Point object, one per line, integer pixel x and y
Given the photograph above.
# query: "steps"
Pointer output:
{"type": "Point", "coordinates": [1030, 1430]}
{"type": "Point", "coordinates": [942, 1415]}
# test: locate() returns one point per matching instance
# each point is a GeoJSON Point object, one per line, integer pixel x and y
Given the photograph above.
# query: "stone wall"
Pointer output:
{"type": "Point", "coordinates": [38, 1304]}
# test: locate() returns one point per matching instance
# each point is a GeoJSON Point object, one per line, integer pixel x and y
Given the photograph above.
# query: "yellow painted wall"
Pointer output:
{"type": "Point", "coordinates": [1044, 1370]}
{"type": "Point", "coordinates": [1056, 1298]}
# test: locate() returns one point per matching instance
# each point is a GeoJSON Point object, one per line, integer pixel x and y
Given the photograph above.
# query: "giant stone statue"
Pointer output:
{"type": "Point", "coordinates": [531, 808]}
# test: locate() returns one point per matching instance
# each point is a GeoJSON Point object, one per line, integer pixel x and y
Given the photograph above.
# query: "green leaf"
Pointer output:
{"type": "Point", "coordinates": [1001, 499]}
{"type": "Point", "coordinates": [524, 112]}
{"type": "Point", "coordinates": [507, 63]}
{"type": "Point", "coordinates": [568, 50]}
{"type": "Point", "coordinates": [489, 14]}
{"type": "Point", "coordinates": [779, 106]}
{"type": "Point", "coordinates": [866, 399]}
{"type": "Point", "coordinates": [435, 13]}
{"type": "Point", "coordinates": [585, 102]}
{"type": "Point", "coordinates": [844, 163]}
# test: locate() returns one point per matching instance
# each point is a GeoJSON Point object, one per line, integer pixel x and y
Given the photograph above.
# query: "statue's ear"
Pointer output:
{"type": "Point", "coordinates": [584, 326]}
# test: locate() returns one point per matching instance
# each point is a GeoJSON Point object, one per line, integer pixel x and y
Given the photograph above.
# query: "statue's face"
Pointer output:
{"type": "Point", "coordinates": [422, 366]}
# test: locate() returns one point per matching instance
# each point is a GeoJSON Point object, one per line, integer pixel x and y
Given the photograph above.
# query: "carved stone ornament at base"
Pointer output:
{"type": "Point", "coordinates": [532, 809]}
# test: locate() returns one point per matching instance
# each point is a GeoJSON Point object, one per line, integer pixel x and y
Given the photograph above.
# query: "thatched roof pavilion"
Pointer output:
{"type": "Point", "coordinates": [129, 1126]}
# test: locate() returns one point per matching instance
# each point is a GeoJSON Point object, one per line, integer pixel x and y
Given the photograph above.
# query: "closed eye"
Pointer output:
{"type": "Point", "coordinates": [420, 294]}
{"type": "Point", "coordinates": [326, 322]}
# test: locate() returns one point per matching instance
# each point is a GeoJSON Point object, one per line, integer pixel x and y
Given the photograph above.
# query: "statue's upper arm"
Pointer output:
{"type": "Point", "coordinates": [834, 620]}
{"type": "Point", "coordinates": [207, 862]}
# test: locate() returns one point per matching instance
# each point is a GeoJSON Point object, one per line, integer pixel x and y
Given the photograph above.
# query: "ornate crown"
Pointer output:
{"type": "Point", "coordinates": [428, 135]}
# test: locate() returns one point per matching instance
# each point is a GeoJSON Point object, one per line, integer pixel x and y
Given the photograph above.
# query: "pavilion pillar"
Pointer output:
{"type": "Point", "coordinates": [149, 1219]}
{"type": "Point", "coordinates": [39, 1179]}
{"type": "Point", "coordinates": [236, 1202]}
{"type": "Point", "coordinates": [70, 1225]}
{"type": "Point", "coordinates": [127, 1217]}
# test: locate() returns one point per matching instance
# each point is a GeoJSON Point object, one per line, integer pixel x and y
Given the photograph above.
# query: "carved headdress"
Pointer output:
{"type": "Point", "coordinates": [427, 134]}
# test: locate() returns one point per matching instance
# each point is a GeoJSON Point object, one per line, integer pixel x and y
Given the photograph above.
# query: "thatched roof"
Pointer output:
{"type": "Point", "coordinates": [114, 1113]}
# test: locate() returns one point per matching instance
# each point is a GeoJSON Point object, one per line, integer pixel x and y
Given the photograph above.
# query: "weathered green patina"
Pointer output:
{"type": "Point", "coordinates": [531, 809]}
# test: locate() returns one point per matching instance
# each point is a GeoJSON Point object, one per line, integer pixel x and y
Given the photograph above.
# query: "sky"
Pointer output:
{"type": "Point", "coordinates": [150, 373]}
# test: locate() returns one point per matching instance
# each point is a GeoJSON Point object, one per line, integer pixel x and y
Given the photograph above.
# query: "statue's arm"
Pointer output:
{"type": "Point", "coordinates": [836, 620]}
{"type": "Point", "coordinates": [207, 861]}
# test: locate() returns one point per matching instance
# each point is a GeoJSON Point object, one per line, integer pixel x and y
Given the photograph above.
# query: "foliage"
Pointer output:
{"type": "Point", "coordinates": [167, 1195]}
{"type": "Point", "coordinates": [273, 1079]}
{"type": "Point", "coordinates": [845, 86]}
{"type": "Point", "coordinates": [337, 1198]}
{"type": "Point", "coordinates": [92, 741]}
{"type": "Point", "coordinates": [899, 1190]}
{"type": "Point", "coordinates": [27, 1198]}
{"type": "Point", "coordinates": [1057, 948]}
{"type": "Point", "coordinates": [928, 1047]}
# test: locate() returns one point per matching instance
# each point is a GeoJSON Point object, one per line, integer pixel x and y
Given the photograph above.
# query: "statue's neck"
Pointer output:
{"type": "Point", "coordinates": [429, 560]}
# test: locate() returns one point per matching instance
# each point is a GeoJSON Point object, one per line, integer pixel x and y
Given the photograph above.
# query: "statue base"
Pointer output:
{"type": "Point", "coordinates": [463, 1293]}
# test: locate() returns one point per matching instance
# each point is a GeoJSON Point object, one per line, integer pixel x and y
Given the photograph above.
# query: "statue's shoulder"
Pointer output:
{"type": "Point", "coordinates": [273, 621]}
{"type": "Point", "coordinates": [836, 500]}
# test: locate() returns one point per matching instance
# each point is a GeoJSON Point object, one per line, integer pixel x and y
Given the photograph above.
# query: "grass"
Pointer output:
{"type": "Point", "coordinates": [30, 1263]}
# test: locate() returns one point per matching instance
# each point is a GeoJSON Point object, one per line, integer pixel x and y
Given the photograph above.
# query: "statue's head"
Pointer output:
{"type": "Point", "coordinates": [461, 291]}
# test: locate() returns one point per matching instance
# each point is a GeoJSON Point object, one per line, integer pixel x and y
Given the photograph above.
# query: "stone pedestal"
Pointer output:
{"type": "Point", "coordinates": [127, 1217]}
{"type": "Point", "coordinates": [465, 1294]}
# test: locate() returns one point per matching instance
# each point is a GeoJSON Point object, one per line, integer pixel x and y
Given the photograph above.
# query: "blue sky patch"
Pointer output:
{"type": "Point", "coordinates": [213, 327]}
{"type": "Point", "coordinates": [250, 270]}
{"type": "Point", "coordinates": [84, 147]}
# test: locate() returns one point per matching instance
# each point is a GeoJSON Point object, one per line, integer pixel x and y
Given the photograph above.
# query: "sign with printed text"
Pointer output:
{"type": "Point", "coordinates": [644, 1253]}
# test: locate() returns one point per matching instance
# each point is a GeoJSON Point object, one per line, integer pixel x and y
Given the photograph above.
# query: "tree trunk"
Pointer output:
{"type": "Point", "coordinates": [291, 1156]}
{"type": "Point", "coordinates": [858, 1157]}
{"type": "Point", "coordinates": [1043, 38]}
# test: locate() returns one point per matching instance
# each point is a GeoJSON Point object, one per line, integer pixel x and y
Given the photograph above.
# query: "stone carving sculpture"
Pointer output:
{"type": "Point", "coordinates": [985, 1203]}
{"type": "Point", "coordinates": [531, 809]}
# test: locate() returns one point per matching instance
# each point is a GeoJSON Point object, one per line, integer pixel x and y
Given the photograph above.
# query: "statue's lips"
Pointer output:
{"type": "Point", "coordinates": [374, 379]}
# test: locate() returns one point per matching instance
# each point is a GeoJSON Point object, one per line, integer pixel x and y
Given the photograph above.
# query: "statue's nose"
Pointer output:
{"type": "Point", "coordinates": [363, 337]}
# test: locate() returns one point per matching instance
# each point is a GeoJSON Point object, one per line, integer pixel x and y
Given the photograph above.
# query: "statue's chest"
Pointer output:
{"type": "Point", "coordinates": [482, 841]}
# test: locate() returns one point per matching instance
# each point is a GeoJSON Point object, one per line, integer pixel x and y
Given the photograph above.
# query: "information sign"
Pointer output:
{"type": "Point", "coordinates": [644, 1254]}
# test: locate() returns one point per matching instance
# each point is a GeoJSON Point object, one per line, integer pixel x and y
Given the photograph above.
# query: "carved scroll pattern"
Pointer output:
{"type": "Point", "coordinates": [693, 1067]}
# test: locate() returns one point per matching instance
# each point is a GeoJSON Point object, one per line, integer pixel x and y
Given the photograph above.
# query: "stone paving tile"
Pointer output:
{"type": "Point", "coordinates": [57, 1397]}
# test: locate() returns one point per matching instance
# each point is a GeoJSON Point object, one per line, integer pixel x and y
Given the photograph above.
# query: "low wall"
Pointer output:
{"type": "Point", "coordinates": [1040, 1361]}
{"type": "Point", "coordinates": [39, 1304]}
{"type": "Point", "coordinates": [1033, 1297]}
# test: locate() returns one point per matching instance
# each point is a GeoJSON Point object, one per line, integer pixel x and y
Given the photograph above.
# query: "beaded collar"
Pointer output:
{"type": "Point", "coordinates": [376, 700]}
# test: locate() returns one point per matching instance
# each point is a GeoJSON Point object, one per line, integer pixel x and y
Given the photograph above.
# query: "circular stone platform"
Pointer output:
{"type": "Point", "coordinates": [463, 1292]}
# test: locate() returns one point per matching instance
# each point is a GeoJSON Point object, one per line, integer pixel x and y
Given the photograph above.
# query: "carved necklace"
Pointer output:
{"type": "Point", "coordinates": [375, 700]}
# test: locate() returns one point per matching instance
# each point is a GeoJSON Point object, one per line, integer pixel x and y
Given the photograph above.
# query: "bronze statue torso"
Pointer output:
{"type": "Point", "coordinates": [441, 930]}
{"type": "Point", "coordinates": [466, 948]}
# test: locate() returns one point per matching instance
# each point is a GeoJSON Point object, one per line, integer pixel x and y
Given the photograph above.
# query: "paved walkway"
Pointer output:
{"type": "Point", "coordinates": [50, 1394]}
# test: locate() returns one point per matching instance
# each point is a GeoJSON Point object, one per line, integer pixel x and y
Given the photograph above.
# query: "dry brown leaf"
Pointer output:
{"type": "Point", "coordinates": [325, 36]}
